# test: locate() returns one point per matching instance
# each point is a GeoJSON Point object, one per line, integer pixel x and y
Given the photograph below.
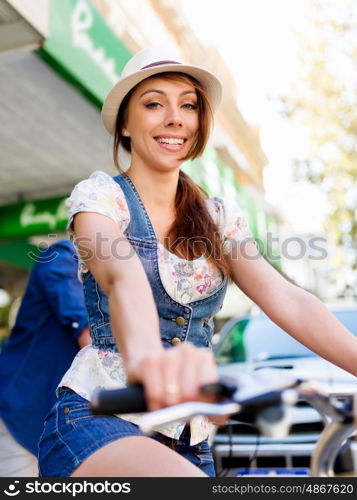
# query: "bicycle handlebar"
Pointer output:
{"type": "Point", "coordinates": [245, 400]}
{"type": "Point", "coordinates": [251, 399]}
{"type": "Point", "coordinates": [132, 399]}
{"type": "Point", "coordinates": [250, 395]}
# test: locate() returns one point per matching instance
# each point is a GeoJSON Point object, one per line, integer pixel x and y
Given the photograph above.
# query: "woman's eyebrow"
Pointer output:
{"type": "Point", "coordinates": [163, 93]}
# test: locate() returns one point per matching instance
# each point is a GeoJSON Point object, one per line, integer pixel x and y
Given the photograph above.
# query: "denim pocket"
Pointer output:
{"type": "Point", "coordinates": [74, 413]}
{"type": "Point", "coordinates": [102, 335]}
{"type": "Point", "coordinates": [73, 406]}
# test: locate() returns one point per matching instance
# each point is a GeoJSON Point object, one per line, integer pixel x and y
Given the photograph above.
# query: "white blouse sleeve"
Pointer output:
{"type": "Point", "coordinates": [100, 194]}
{"type": "Point", "coordinates": [231, 221]}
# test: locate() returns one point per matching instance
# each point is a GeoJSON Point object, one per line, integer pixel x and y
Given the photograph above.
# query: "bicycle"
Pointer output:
{"type": "Point", "coordinates": [262, 399]}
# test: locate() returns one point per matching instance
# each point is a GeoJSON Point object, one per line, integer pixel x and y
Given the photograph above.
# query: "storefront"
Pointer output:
{"type": "Point", "coordinates": [51, 135]}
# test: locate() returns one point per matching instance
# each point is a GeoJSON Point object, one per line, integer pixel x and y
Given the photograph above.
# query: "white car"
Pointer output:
{"type": "Point", "coordinates": [252, 343]}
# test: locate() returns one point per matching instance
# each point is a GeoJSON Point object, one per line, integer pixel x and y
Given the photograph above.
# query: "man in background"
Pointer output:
{"type": "Point", "coordinates": [50, 327]}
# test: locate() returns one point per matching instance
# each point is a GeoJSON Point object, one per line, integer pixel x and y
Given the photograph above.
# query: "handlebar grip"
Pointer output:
{"type": "Point", "coordinates": [132, 399]}
{"type": "Point", "coordinates": [128, 400]}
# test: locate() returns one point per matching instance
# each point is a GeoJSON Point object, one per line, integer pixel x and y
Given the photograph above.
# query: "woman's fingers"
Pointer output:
{"type": "Point", "coordinates": [190, 372]}
{"type": "Point", "coordinates": [208, 372]}
{"type": "Point", "coordinates": [172, 387]}
{"type": "Point", "coordinates": [186, 369]}
{"type": "Point", "coordinates": [148, 372]}
{"type": "Point", "coordinates": [174, 375]}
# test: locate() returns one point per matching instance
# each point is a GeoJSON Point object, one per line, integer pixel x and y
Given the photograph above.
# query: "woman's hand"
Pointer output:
{"type": "Point", "coordinates": [174, 375]}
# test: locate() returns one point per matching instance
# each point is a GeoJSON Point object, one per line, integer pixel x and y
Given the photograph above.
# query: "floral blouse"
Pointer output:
{"type": "Point", "coordinates": [185, 281]}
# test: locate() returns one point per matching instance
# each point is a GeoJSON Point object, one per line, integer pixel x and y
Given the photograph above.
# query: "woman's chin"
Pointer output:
{"type": "Point", "coordinates": [169, 166]}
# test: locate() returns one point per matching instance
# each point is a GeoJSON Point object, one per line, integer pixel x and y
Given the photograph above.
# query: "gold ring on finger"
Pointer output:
{"type": "Point", "coordinates": [172, 388]}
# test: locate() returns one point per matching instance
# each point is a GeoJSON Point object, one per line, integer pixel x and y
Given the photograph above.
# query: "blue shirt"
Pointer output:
{"type": "Point", "coordinates": [42, 343]}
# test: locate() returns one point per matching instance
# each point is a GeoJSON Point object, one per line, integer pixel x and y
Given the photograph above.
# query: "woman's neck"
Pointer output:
{"type": "Point", "coordinates": [156, 189]}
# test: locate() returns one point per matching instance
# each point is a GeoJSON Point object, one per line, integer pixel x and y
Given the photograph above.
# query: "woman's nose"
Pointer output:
{"type": "Point", "coordinates": [173, 118]}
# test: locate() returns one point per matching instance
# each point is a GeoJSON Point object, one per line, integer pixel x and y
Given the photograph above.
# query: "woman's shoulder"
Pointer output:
{"type": "Point", "coordinates": [99, 193]}
{"type": "Point", "coordinates": [221, 208]}
{"type": "Point", "coordinates": [98, 178]}
{"type": "Point", "coordinates": [229, 217]}
{"type": "Point", "coordinates": [97, 185]}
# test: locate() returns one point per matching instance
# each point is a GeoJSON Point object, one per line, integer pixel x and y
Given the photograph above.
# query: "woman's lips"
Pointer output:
{"type": "Point", "coordinates": [170, 147]}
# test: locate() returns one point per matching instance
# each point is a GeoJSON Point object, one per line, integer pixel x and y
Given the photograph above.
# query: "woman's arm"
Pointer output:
{"type": "Point", "coordinates": [134, 319]}
{"type": "Point", "coordinates": [295, 310]}
{"type": "Point", "coordinates": [116, 267]}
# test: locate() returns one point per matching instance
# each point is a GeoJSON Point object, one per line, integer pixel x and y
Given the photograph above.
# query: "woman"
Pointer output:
{"type": "Point", "coordinates": [156, 256]}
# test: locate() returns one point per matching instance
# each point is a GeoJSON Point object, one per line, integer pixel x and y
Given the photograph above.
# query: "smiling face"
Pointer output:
{"type": "Point", "coordinates": [162, 122]}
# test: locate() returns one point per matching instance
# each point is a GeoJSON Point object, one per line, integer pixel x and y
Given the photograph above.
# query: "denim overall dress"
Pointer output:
{"type": "Point", "coordinates": [192, 322]}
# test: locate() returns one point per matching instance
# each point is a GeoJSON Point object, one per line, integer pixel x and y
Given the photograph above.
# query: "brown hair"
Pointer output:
{"type": "Point", "coordinates": [193, 233]}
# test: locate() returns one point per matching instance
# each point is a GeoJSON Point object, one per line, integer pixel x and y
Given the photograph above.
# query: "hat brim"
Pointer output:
{"type": "Point", "coordinates": [115, 97]}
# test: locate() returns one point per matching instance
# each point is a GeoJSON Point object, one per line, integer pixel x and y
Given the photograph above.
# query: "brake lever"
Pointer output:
{"type": "Point", "coordinates": [184, 411]}
{"type": "Point", "coordinates": [222, 390]}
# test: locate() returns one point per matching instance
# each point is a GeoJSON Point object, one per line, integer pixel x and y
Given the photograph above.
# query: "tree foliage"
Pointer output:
{"type": "Point", "coordinates": [323, 101]}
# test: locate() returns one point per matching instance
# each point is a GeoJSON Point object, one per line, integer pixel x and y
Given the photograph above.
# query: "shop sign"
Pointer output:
{"type": "Point", "coordinates": [82, 42]}
{"type": "Point", "coordinates": [33, 217]}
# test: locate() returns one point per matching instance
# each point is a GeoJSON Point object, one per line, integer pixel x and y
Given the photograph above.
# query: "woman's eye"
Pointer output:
{"type": "Point", "coordinates": [153, 105]}
{"type": "Point", "coordinates": [190, 105]}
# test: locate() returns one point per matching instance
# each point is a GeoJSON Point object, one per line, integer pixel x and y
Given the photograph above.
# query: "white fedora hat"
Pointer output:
{"type": "Point", "coordinates": [148, 62]}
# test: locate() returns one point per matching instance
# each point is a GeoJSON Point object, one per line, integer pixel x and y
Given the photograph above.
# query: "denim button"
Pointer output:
{"type": "Point", "coordinates": [175, 341]}
{"type": "Point", "coordinates": [180, 320]}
